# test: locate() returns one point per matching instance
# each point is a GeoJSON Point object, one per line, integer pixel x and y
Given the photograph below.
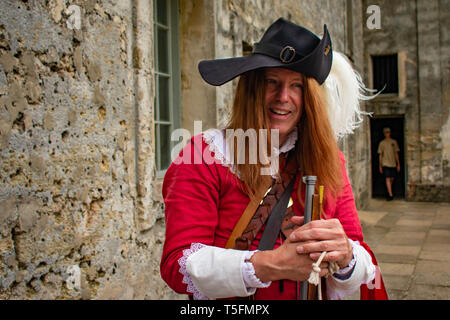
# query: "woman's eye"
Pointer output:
{"type": "Point", "coordinates": [271, 81]}
{"type": "Point", "coordinates": [298, 85]}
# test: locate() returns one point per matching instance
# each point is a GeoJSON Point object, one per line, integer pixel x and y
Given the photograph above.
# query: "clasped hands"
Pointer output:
{"type": "Point", "coordinates": [294, 258]}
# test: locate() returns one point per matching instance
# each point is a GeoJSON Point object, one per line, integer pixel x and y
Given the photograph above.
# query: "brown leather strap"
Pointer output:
{"type": "Point", "coordinates": [257, 211]}
{"type": "Point", "coordinates": [247, 215]}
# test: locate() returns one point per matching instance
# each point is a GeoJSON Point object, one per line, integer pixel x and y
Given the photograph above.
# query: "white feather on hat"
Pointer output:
{"type": "Point", "coordinates": [344, 89]}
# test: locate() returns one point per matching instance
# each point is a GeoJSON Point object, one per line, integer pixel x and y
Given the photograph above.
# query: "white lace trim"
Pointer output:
{"type": "Point", "coordinates": [251, 281]}
{"type": "Point", "coordinates": [215, 138]}
{"type": "Point", "coordinates": [186, 277]}
{"type": "Point", "coordinates": [248, 273]}
{"type": "Point", "coordinates": [290, 141]}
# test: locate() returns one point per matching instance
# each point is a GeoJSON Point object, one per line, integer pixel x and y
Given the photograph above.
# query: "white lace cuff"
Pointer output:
{"type": "Point", "coordinates": [186, 277]}
{"type": "Point", "coordinates": [363, 272]}
{"type": "Point", "coordinates": [248, 273]}
{"type": "Point", "coordinates": [211, 272]}
{"type": "Point", "coordinates": [345, 273]}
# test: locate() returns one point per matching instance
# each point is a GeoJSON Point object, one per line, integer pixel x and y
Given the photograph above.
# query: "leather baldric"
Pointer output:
{"type": "Point", "coordinates": [275, 220]}
{"type": "Point", "coordinates": [257, 213]}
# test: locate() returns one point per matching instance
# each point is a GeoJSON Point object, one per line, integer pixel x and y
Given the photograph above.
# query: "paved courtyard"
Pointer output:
{"type": "Point", "coordinates": [411, 241]}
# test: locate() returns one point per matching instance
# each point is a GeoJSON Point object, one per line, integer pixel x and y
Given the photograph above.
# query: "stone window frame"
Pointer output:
{"type": "Point", "coordinates": [174, 76]}
{"type": "Point", "coordinates": [401, 69]}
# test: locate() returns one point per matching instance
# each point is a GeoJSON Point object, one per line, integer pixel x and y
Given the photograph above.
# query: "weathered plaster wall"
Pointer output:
{"type": "Point", "coordinates": [197, 38]}
{"type": "Point", "coordinates": [77, 219]}
{"type": "Point", "coordinates": [355, 146]}
{"type": "Point", "coordinates": [433, 62]}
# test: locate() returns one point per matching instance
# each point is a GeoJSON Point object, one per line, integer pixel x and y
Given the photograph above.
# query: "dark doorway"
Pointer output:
{"type": "Point", "coordinates": [396, 123]}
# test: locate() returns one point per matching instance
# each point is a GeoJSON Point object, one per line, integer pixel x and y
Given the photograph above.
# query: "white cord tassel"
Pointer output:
{"type": "Point", "coordinates": [344, 89]}
{"type": "Point", "coordinates": [314, 277]}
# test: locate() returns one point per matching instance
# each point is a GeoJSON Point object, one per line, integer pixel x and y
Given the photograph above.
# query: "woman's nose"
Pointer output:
{"type": "Point", "coordinates": [283, 93]}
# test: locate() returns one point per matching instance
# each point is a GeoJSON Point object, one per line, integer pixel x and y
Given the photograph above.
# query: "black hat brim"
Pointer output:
{"type": "Point", "coordinates": [219, 71]}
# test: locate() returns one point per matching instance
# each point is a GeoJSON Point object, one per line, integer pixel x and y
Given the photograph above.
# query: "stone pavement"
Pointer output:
{"type": "Point", "coordinates": [411, 241]}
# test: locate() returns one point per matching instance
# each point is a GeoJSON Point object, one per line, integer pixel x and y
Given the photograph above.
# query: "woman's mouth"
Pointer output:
{"type": "Point", "coordinates": [279, 112]}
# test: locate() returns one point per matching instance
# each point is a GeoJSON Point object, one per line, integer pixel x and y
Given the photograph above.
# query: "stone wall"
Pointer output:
{"type": "Point", "coordinates": [77, 216]}
{"type": "Point", "coordinates": [355, 146]}
{"type": "Point", "coordinates": [418, 32]}
{"type": "Point", "coordinates": [197, 41]}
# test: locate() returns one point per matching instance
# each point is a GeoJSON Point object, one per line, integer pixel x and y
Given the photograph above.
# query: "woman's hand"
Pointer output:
{"type": "Point", "coordinates": [284, 263]}
{"type": "Point", "coordinates": [322, 235]}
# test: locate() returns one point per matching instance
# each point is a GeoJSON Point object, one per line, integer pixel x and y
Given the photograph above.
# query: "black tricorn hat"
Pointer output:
{"type": "Point", "coordinates": [283, 45]}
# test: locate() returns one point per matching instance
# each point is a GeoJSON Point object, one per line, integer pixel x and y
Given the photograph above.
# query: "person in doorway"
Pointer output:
{"type": "Point", "coordinates": [389, 160]}
{"type": "Point", "coordinates": [291, 85]}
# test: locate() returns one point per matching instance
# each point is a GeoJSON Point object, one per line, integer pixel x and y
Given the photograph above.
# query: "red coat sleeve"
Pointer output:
{"type": "Point", "coordinates": [191, 197]}
{"type": "Point", "coordinates": [348, 215]}
{"type": "Point", "coordinates": [345, 208]}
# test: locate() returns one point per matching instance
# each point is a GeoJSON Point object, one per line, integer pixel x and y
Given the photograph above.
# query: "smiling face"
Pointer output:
{"type": "Point", "coordinates": [283, 99]}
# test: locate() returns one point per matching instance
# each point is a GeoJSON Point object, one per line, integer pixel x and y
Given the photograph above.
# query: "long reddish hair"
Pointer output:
{"type": "Point", "coordinates": [316, 149]}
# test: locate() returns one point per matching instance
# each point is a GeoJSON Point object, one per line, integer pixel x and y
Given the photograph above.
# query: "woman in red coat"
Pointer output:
{"type": "Point", "coordinates": [289, 85]}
